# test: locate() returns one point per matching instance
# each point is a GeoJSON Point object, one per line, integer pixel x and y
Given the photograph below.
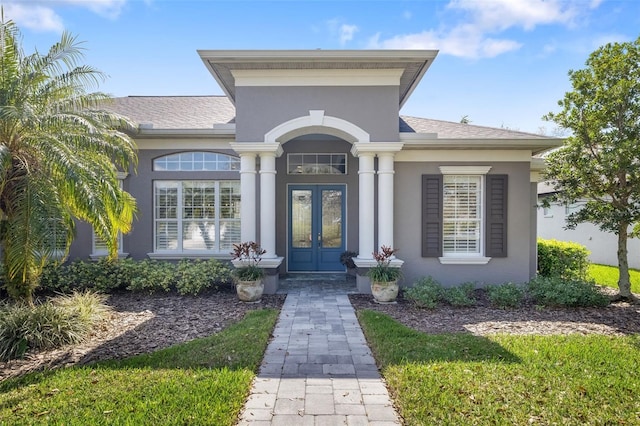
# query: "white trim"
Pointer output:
{"type": "Point", "coordinates": [460, 155]}
{"type": "Point", "coordinates": [370, 263]}
{"type": "Point", "coordinates": [471, 260]}
{"type": "Point", "coordinates": [184, 144]}
{"type": "Point", "coordinates": [268, 263]}
{"type": "Point", "coordinates": [317, 77]}
{"type": "Point", "coordinates": [98, 256]}
{"type": "Point", "coordinates": [197, 255]}
{"type": "Point", "coordinates": [257, 148]}
{"type": "Point", "coordinates": [536, 146]}
{"type": "Point", "coordinates": [374, 148]}
{"type": "Point", "coordinates": [316, 122]}
{"type": "Point", "coordinates": [465, 170]}
{"type": "Point", "coordinates": [186, 133]}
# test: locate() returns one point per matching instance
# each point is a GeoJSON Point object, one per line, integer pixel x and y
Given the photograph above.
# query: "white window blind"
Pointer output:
{"type": "Point", "coordinates": [462, 214]}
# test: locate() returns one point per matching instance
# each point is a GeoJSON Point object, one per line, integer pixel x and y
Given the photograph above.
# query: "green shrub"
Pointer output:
{"type": "Point", "coordinates": [425, 293]}
{"type": "Point", "coordinates": [195, 276]}
{"type": "Point", "coordinates": [103, 276]}
{"type": "Point", "coordinates": [57, 322]}
{"type": "Point", "coordinates": [506, 295]}
{"type": "Point", "coordinates": [562, 259]}
{"type": "Point", "coordinates": [461, 295]}
{"type": "Point", "coordinates": [153, 276]}
{"type": "Point", "coordinates": [554, 291]}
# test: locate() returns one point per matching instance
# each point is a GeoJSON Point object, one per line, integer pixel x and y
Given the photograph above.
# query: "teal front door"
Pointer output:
{"type": "Point", "coordinates": [316, 227]}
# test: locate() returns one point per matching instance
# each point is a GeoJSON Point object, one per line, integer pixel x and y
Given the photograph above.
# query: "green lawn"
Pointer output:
{"type": "Point", "coordinates": [205, 381]}
{"type": "Point", "coordinates": [459, 379]}
{"type": "Point", "coordinates": [608, 276]}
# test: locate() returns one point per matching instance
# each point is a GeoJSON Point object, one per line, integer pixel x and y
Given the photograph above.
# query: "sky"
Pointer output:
{"type": "Point", "coordinates": [501, 63]}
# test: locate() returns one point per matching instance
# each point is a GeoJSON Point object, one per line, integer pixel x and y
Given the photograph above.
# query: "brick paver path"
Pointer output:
{"type": "Point", "coordinates": [318, 369]}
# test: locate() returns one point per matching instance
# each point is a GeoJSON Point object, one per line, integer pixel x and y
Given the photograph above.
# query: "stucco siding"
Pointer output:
{"type": "Point", "coordinates": [260, 109]}
{"type": "Point", "coordinates": [408, 233]}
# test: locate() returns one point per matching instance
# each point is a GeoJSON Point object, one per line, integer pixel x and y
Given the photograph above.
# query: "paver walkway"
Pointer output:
{"type": "Point", "coordinates": [318, 369]}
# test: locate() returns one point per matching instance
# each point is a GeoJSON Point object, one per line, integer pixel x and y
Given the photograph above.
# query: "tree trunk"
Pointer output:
{"type": "Point", "coordinates": [624, 282]}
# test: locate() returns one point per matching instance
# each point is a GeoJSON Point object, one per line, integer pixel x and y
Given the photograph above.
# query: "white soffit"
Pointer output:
{"type": "Point", "coordinates": [335, 77]}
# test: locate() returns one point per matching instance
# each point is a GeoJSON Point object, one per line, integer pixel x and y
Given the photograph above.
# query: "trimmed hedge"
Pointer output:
{"type": "Point", "coordinates": [150, 276]}
{"type": "Point", "coordinates": [563, 259]}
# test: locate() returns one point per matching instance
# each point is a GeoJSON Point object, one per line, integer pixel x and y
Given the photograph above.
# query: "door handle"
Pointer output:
{"type": "Point", "coordinates": [319, 240]}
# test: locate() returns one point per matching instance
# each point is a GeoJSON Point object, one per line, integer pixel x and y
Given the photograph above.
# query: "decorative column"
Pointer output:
{"type": "Point", "coordinates": [385, 199]}
{"type": "Point", "coordinates": [248, 194]}
{"type": "Point", "coordinates": [366, 206]}
{"type": "Point", "coordinates": [268, 203]}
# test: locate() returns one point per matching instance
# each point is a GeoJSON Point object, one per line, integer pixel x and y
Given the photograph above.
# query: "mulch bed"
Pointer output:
{"type": "Point", "coordinates": [145, 323]}
{"type": "Point", "coordinates": [142, 323]}
{"type": "Point", "coordinates": [618, 318]}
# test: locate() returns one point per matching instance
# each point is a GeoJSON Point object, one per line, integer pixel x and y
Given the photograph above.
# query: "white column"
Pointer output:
{"type": "Point", "coordinates": [385, 199]}
{"type": "Point", "coordinates": [248, 196]}
{"type": "Point", "coordinates": [366, 206]}
{"type": "Point", "coordinates": [268, 203]}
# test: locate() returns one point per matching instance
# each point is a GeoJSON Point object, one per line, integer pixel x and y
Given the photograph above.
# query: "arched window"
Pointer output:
{"type": "Point", "coordinates": [196, 161]}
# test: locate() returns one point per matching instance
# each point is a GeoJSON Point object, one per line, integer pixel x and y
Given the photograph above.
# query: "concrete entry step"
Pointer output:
{"type": "Point", "coordinates": [333, 283]}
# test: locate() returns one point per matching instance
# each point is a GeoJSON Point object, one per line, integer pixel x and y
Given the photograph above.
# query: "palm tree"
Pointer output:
{"type": "Point", "coordinates": [60, 151]}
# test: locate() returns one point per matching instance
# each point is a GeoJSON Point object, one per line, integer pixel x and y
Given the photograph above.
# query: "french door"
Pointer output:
{"type": "Point", "coordinates": [316, 227]}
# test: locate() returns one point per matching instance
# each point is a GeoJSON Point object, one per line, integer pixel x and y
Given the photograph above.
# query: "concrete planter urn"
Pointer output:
{"type": "Point", "coordinates": [250, 291]}
{"type": "Point", "coordinates": [384, 291]}
{"type": "Point", "coordinates": [384, 277]}
{"type": "Point", "coordinates": [248, 275]}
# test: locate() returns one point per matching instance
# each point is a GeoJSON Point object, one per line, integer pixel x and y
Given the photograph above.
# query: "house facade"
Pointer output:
{"type": "Point", "coordinates": [308, 155]}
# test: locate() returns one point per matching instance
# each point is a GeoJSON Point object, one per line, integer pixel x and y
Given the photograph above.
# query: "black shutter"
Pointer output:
{"type": "Point", "coordinates": [496, 220]}
{"type": "Point", "coordinates": [431, 215]}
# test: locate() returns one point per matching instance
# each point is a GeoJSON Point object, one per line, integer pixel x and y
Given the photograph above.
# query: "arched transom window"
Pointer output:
{"type": "Point", "coordinates": [196, 161]}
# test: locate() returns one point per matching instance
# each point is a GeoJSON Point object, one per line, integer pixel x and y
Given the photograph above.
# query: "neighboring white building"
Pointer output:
{"type": "Point", "coordinates": [603, 245]}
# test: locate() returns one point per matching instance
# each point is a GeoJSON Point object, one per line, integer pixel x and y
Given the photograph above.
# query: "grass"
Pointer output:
{"type": "Point", "coordinates": [205, 381]}
{"type": "Point", "coordinates": [507, 379]}
{"type": "Point", "coordinates": [608, 276]}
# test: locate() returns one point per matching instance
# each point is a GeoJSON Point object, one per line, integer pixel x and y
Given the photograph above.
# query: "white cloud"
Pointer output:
{"type": "Point", "coordinates": [474, 32]}
{"type": "Point", "coordinates": [34, 17]}
{"type": "Point", "coordinates": [107, 8]}
{"type": "Point", "coordinates": [41, 15]}
{"type": "Point", "coordinates": [344, 32]}
{"type": "Point", "coordinates": [407, 14]}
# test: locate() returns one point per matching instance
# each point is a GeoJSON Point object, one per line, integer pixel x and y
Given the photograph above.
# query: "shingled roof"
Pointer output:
{"type": "Point", "coordinates": [202, 112]}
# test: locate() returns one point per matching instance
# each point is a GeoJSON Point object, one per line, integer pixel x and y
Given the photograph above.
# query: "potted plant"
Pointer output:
{"type": "Point", "coordinates": [248, 275]}
{"type": "Point", "coordinates": [384, 277]}
{"type": "Point", "coordinates": [346, 258]}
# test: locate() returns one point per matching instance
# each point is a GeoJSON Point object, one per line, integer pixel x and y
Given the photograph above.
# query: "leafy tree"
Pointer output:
{"type": "Point", "coordinates": [59, 149]}
{"type": "Point", "coordinates": [600, 162]}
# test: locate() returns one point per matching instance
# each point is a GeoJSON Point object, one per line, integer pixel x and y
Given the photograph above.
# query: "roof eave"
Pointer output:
{"type": "Point", "coordinates": [536, 146]}
{"type": "Point", "coordinates": [185, 133]}
{"type": "Point", "coordinates": [209, 57]}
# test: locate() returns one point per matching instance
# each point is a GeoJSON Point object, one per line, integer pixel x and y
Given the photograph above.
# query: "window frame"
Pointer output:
{"type": "Point", "coordinates": [316, 164]}
{"type": "Point", "coordinates": [479, 195]}
{"type": "Point", "coordinates": [180, 251]}
{"type": "Point", "coordinates": [234, 162]}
